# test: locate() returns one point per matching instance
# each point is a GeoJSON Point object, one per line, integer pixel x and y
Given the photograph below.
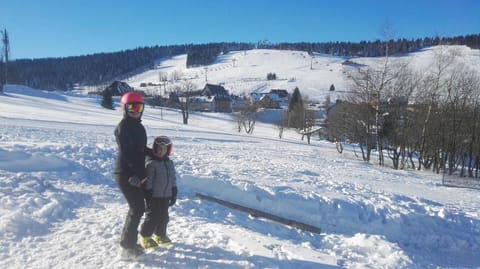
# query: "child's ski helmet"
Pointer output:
{"type": "Point", "coordinates": [162, 146]}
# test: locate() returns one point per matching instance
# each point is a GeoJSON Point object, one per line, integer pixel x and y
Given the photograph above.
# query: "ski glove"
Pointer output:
{"type": "Point", "coordinates": [135, 181]}
{"type": "Point", "coordinates": [148, 151]}
{"type": "Point", "coordinates": [173, 199]}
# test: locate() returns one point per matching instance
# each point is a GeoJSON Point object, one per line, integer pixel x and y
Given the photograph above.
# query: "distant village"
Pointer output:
{"type": "Point", "coordinates": [212, 98]}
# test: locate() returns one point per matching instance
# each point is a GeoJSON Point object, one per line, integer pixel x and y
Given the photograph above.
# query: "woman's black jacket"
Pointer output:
{"type": "Point", "coordinates": [131, 139]}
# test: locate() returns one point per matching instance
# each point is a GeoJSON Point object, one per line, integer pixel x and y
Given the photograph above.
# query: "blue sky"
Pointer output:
{"type": "Point", "coordinates": [60, 28]}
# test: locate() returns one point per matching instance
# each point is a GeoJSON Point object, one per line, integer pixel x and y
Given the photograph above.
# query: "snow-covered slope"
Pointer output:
{"type": "Point", "coordinates": [61, 208]}
{"type": "Point", "coordinates": [244, 72]}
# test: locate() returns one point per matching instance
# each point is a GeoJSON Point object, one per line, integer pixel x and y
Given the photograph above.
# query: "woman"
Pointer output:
{"type": "Point", "coordinates": [130, 172]}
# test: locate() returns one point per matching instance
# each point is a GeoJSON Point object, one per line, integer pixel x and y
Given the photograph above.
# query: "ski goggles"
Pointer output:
{"type": "Point", "coordinates": [161, 149]}
{"type": "Point", "coordinates": [162, 146]}
{"type": "Point", "coordinates": [134, 107]}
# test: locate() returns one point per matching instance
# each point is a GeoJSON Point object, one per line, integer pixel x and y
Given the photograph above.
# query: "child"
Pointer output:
{"type": "Point", "coordinates": [161, 192]}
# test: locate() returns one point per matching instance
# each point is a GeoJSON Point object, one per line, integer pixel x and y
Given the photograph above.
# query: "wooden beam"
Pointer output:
{"type": "Point", "coordinates": [262, 214]}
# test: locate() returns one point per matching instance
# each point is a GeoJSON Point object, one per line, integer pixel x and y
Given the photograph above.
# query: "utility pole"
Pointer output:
{"type": "Point", "coordinates": [4, 58]}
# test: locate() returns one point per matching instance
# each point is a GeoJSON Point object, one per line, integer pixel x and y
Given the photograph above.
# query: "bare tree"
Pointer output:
{"type": "Point", "coordinates": [308, 129]}
{"type": "Point", "coordinates": [445, 117]}
{"type": "Point", "coordinates": [282, 122]}
{"type": "Point", "coordinates": [352, 120]}
{"type": "Point", "coordinates": [163, 78]}
{"type": "Point", "coordinates": [247, 118]}
{"type": "Point", "coordinates": [184, 91]}
{"type": "Point", "coordinates": [432, 84]}
{"type": "Point", "coordinates": [469, 134]}
{"type": "Point", "coordinates": [374, 86]}
{"type": "Point", "coordinates": [176, 75]}
{"type": "Point", "coordinates": [461, 86]}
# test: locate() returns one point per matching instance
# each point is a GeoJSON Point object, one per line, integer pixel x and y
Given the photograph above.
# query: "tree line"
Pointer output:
{"type": "Point", "coordinates": [103, 68]}
{"type": "Point", "coordinates": [376, 48]}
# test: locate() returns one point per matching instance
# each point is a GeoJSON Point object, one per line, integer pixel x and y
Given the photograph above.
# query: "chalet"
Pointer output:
{"type": "Point", "coordinates": [201, 103]}
{"type": "Point", "coordinates": [269, 101]}
{"type": "Point", "coordinates": [214, 90]}
{"type": "Point", "coordinates": [276, 98]}
{"type": "Point", "coordinates": [239, 103]}
{"type": "Point", "coordinates": [282, 94]}
{"type": "Point", "coordinates": [221, 99]}
{"type": "Point", "coordinates": [118, 88]}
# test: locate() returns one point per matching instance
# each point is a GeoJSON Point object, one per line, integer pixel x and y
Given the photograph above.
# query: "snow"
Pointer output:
{"type": "Point", "coordinates": [244, 72]}
{"type": "Point", "coordinates": [60, 206]}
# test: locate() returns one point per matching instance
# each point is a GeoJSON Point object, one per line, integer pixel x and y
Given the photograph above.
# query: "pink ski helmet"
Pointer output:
{"type": "Point", "coordinates": [130, 98]}
{"type": "Point", "coordinates": [162, 146]}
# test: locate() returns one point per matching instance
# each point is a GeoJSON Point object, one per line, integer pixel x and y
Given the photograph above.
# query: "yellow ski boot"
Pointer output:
{"type": "Point", "coordinates": [162, 240]}
{"type": "Point", "coordinates": [148, 243]}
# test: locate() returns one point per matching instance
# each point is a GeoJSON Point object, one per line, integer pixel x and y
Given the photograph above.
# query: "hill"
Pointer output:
{"type": "Point", "coordinates": [244, 72]}
{"type": "Point", "coordinates": [103, 68]}
{"type": "Point", "coordinates": [61, 208]}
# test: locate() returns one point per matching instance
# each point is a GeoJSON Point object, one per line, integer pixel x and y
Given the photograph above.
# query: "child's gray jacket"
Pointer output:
{"type": "Point", "coordinates": [161, 177]}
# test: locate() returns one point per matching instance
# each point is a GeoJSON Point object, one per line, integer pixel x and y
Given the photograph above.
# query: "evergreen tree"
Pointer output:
{"type": "Point", "coordinates": [107, 101]}
{"type": "Point", "coordinates": [271, 76]}
{"type": "Point", "coordinates": [332, 88]}
{"type": "Point", "coordinates": [296, 110]}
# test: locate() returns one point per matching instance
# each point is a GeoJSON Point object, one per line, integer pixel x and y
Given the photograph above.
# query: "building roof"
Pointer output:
{"type": "Point", "coordinates": [212, 89]}
{"type": "Point", "coordinates": [119, 88]}
{"type": "Point", "coordinates": [280, 92]}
